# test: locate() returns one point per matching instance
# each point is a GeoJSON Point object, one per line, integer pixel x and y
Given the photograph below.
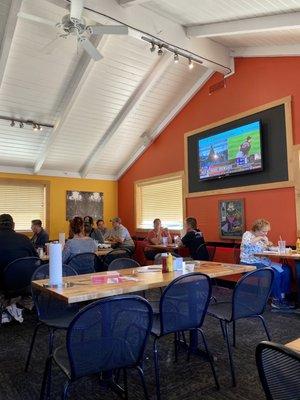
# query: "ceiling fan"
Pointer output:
{"type": "Point", "coordinates": [75, 25]}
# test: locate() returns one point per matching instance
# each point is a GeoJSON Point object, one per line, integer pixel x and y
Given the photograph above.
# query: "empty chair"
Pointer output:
{"type": "Point", "coordinates": [279, 371]}
{"type": "Point", "coordinates": [52, 312]}
{"type": "Point", "coordinates": [109, 334]}
{"type": "Point", "coordinates": [249, 300]}
{"type": "Point", "coordinates": [115, 253]}
{"type": "Point", "coordinates": [83, 263]}
{"type": "Point", "coordinates": [123, 263]}
{"type": "Point", "coordinates": [182, 307]}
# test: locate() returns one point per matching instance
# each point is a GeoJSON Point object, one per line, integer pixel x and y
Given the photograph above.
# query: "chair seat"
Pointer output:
{"type": "Point", "coordinates": [62, 360]}
{"type": "Point", "coordinates": [220, 310]}
{"type": "Point", "coordinates": [60, 322]}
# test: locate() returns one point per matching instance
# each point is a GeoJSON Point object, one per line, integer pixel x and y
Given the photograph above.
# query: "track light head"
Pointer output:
{"type": "Point", "coordinates": [35, 127]}
{"type": "Point", "coordinates": [152, 48]}
{"type": "Point", "coordinates": [176, 58]}
{"type": "Point", "coordinates": [160, 52]}
{"type": "Point", "coordinates": [191, 64]}
{"type": "Point", "coordinates": [12, 124]}
{"type": "Point", "coordinates": [40, 128]}
{"type": "Point", "coordinates": [21, 125]}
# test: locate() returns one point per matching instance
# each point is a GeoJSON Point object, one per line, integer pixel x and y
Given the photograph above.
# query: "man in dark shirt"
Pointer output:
{"type": "Point", "coordinates": [194, 240]}
{"type": "Point", "coordinates": [40, 236]}
{"type": "Point", "coordinates": [13, 245]}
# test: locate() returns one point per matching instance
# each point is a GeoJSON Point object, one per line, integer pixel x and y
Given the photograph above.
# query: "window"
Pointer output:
{"type": "Point", "coordinates": [160, 197]}
{"type": "Point", "coordinates": [24, 201]}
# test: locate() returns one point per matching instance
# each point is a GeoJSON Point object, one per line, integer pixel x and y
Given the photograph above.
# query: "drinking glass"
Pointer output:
{"type": "Point", "coordinates": [281, 246]}
{"type": "Point", "coordinates": [165, 241]}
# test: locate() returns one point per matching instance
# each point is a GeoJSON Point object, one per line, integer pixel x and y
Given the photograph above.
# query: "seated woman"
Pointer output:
{"type": "Point", "coordinates": [79, 243]}
{"type": "Point", "coordinates": [256, 241]}
{"type": "Point", "coordinates": [155, 236]}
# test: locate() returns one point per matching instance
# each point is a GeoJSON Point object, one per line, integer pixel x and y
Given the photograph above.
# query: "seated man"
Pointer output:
{"type": "Point", "coordinates": [90, 231]}
{"type": "Point", "coordinates": [40, 236]}
{"type": "Point", "coordinates": [13, 245]}
{"type": "Point", "coordinates": [194, 240]}
{"type": "Point", "coordinates": [120, 235]}
{"type": "Point", "coordinates": [102, 228]}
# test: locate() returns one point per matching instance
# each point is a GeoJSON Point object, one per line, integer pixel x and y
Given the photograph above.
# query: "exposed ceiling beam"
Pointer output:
{"type": "Point", "coordinates": [129, 3]}
{"type": "Point", "coordinates": [161, 27]}
{"type": "Point", "coordinates": [134, 100]}
{"type": "Point", "coordinates": [288, 50]}
{"type": "Point", "coordinates": [76, 83]}
{"type": "Point", "coordinates": [166, 120]}
{"type": "Point", "coordinates": [6, 42]}
{"type": "Point", "coordinates": [247, 25]}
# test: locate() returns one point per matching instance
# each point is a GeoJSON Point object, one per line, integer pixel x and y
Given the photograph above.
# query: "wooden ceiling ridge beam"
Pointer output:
{"type": "Point", "coordinates": [8, 35]}
{"type": "Point", "coordinates": [130, 3]}
{"type": "Point", "coordinates": [264, 23]}
{"type": "Point", "coordinates": [134, 100]}
{"type": "Point", "coordinates": [76, 83]}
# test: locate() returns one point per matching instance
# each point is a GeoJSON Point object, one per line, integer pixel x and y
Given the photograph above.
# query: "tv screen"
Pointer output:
{"type": "Point", "coordinates": [234, 151]}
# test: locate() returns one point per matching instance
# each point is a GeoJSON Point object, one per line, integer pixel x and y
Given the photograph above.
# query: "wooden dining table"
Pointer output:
{"type": "Point", "coordinates": [83, 289]}
{"type": "Point", "coordinates": [286, 256]}
{"type": "Point", "coordinates": [294, 345]}
{"type": "Point", "coordinates": [100, 253]}
{"type": "Point", "coordinates": [164, 247]}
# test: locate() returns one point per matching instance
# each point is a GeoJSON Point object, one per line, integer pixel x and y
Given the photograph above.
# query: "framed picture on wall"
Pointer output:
{"type": "Point", "coordinates": [231, 219]}
{"type": "Point", "coordinates": [84, 203]}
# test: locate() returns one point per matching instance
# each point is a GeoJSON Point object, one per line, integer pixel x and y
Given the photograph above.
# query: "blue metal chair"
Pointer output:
{"type": "Point", "coordinates": [183, 306]}
{"type": "Point", "coordinates": [279, 371]}
{"type": "Point", "coordinates": [113, 255]}
{"type": "Point", "coordinates": [249, 300]}
{"type": "Point", "coordinates": [107, 335]}
{"type": "Point", "coordinates": [123, 263]}
{"type": "Point", "coordinates": [52, 312]}
{"type": "Point", "coordinates": [83, 263]}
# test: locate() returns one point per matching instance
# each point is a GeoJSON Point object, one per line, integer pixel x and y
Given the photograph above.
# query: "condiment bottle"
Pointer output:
{"type": "Point", "coordinates": [164, 264]}
{"type": "Point", "coordinates": [170, 263]}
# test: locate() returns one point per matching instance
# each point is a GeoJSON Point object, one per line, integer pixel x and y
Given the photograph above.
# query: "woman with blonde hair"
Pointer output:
{"type": "Point", "coordinates": [256, 241]}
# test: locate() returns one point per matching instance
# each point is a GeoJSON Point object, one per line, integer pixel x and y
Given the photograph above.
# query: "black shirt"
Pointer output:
{"type": "Point", "coordinates": [40, 239]}
{"type": "Point", "coordinates": [14, 245]}
{"type": "Point", "coordinates": [194, 241]}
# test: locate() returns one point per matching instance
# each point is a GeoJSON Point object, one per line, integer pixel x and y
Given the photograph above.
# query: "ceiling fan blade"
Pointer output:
{"type": "Point", "coordinates": [108, 29]}
{"type": "Point", "coordinates": [90, 48]}
{"type": "Point", "coordinates": [35, 18]}
{"type": "Point", "coordinates": [76, 9]}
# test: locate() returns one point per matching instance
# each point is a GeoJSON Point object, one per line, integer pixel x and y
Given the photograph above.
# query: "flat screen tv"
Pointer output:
{"type": "Point", "coordinates": [234, 151]}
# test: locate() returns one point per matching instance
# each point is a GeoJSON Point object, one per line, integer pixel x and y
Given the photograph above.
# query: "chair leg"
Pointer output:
{"type": "Point", "coordinates": [142, 376]}
{"type": "Point", "coordinates": [125, 384]}
{"type": "Point", "coordinates": [230, 354]}
{"type": "Point", "coordinates": [50, 351]}
{"type": "Point", "coordinates": [233, 334]}
{"type": "Point", "coordinates": [156, 368]}
{"type": "Point", "coordinates": [65, 392]}
{"type": "Point", "coordinates": [265, 327]}
{"type": "Point", "coordinates": [45, 379]}
{"type": "Point", "coordinates": [211, 361]}
{"type": "Point", "coordinates": [31, 345]}
{"type": "Point", "coordinates": [176, 338]}
{"type": "Point", "coordinates": [222, 327]}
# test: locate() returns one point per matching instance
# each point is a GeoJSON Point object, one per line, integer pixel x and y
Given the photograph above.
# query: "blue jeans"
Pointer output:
{"type": "Point", "coordinates": [282, 278]}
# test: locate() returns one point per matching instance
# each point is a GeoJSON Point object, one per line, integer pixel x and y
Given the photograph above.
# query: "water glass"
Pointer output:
{"type": "Point", "coordinates": [281, 246]}
{"type": "Point", "coordinates": [165, 241]}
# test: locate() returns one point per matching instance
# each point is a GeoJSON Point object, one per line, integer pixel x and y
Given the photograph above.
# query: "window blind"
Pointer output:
{"type": "Point", "coordinates": [23, 202]}
{"type": "Point", "coordinates": [160, 198]}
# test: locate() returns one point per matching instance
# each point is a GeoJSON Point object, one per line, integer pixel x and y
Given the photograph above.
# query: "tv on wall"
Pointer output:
{"type": "Point", "coordinates": [234, 151]}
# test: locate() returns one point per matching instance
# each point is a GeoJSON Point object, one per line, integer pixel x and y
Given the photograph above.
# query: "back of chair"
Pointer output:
{"type": "Point", "coordinates": [83, 263]}
{"type": "Point", "coordinates": [46, 305]}
{"type": "Point", "coordinates": [123, 263]}
{"type": "Point", "coordinates": [184, 303]}
{"type": "Point", "coordinates": [279, 371]}
{"type": "Point", "coordinates": [157, 258]}
{"type": "Point", "coordinates": [17, 275]}
{"type": "Point", "coordinates": [109, 334]}
{"type": "Point", "coordinates": [114, 254]}
{"type": "Point", "coordinates": [251, 293]}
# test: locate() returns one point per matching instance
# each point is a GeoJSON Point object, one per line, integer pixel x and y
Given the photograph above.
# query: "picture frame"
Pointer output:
{"type": "Point", "coordinates": [80, 203]}
{"type": "Point", "coordinates": [231, 218]}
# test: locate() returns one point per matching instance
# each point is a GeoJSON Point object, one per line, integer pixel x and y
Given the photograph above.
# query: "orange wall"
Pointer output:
{"type": "Point", "coordinates": [257, 81]}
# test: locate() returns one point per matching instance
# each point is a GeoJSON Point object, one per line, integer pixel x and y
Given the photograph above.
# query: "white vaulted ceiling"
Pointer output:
{"type": "Point", "coordinates": [106, 113]}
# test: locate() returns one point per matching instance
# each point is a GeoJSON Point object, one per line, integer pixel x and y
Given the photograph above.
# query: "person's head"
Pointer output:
{"type": "Point", "coordinates": [261, 227]}
{"type": "Point", "coordinates": [6, 222]}
{"type": "Point", "coordinates": [116, 222]}
{"type": "Point", "coordinates": [36, 225]}
{"type": "Point", "coordinates": [249, 138]}
{"type": "Point", "coordinates": [157, 223]}
{"type": "Point", "coordinates": [89, 220]}
{"type": "Point", "coordinates": [76, 225]}
{"type": "Point", "coordinates": [100, 223]}
{"type": "Point", "coordinates": [191, 223]}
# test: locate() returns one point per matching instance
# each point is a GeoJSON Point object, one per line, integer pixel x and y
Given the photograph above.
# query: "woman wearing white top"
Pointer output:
{"type": "Point", "coordinates": [256, 241]}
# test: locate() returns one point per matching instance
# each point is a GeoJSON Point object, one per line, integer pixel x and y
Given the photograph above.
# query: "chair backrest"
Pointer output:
{"type": "Point", "coordinates": [123, 263]}
{"type": "Point", "coordinates": [114, 254]}
{"type": "Point", "coordinates": [17, 275]}
{"type": "Point", "coordinates": [109, 334]}
{"type": "Point", "coordinates": [279, 371]}
{"type": "Point", "coordinates": [83, 263]}
{"type": "Point", "coordinates": [46, 305]}
{"type": "Point", "coordinates": [251, 293]}
{"type": "Point", "coordinates": [211, 252]}
{"type": "Point", "coordinates": [157, 258]}
{"type": "Point", "coordinates": [184, 303]}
